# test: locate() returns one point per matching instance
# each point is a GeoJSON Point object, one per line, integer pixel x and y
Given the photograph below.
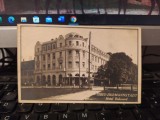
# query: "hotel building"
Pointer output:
{"type": "Point", "coordinates": [65, 60]}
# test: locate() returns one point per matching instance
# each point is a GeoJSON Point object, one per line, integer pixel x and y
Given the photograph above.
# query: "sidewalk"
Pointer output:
{"type": "Point", "coordinates": [79, 96]}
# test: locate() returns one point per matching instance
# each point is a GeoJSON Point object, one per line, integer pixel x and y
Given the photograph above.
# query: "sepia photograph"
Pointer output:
{"type": "Point", "coordinates": [79, 64]}
{"type": "Point", "coordinates": [116, 7]}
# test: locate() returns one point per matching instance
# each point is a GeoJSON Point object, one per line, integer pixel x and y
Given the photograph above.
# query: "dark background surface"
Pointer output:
{"type": "Point", "coordinates": [15, 6]}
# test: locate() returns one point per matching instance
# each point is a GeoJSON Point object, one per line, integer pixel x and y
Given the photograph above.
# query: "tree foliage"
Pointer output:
{"type": "Point", "coordinates": [119, 69]}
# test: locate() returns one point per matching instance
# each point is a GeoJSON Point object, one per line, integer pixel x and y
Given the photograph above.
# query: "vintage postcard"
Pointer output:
{"type": "Point", "coordinates": [79, 64]}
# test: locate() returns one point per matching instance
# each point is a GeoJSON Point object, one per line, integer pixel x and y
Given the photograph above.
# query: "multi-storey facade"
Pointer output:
{"type": "Point", "coordinates": [65, 60]}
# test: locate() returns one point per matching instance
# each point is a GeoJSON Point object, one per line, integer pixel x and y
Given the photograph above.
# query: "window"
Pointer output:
{"type": "Point", "coordinates": [83, 64]}
{"type": "Point", "coordinates": [49, 47]}
{"type": "Point", "coordinates": [77, 43]}
{"type": "Point", "coordinates": [53, 46]}
{"type": "Point", "coordinates": [92, 67]}
{"type": "Point", "coordinates": [83, 44]}
{"type": "Point", "coordinates": [77, 53]}
{"type": "Point", "coordinates": [44, 67]}
{"type": "Point", "coordinates": [70, 52]}
{"type": "Point", "coordinates": [92, 57]}
{"type": "Point", "coordinates": [37, 58]}
{"type": "Point", "coordinates": [54, 56]}
{"type": "Point", "coordinates": [37, 65]}
{"type": "Point", "coordinates": [60, 54]}
{"type": "Point", "coordinates": [95, 59]}
{"type": "Point", "coordinates": [37, 49]}
{"type": "Point", "coordinates": [54, 66]}
{"type": "Point", "coordinates": [49, 66]}
{"type": "Point", "coordinates": [44, 58]}
{"type": "Point", "coordinates": [70, 42]}
{"type": "Point", "coordinates": [48, 56]}
{"type": "Point", "coordinates": [60, 44]}
{"type": "Point", "coordinates": [44, 48]}
{"type": "Point", "coordinates": [83, 54]}
{"type": "Point", "coordinates": [69, 64]}
{"type": "Point", "coordinates": [77, 64]}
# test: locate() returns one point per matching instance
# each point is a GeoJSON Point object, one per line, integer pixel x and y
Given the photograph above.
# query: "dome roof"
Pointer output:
{"type": "Point", "coordinates": [73, 35]}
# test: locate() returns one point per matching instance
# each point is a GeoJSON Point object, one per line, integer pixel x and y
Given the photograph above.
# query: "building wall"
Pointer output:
{"type": "Point", "coordinates": [61, 56]}
{"type": "Point", "coordinates": [27, 77]}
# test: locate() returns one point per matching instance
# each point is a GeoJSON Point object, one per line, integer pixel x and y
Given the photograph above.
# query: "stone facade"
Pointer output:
{"type": "Point", "coordinates": [65, 60]}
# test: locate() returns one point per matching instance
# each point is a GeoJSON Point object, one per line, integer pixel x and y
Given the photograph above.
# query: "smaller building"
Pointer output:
{"type": "Point", "coordinates": [27, 73]}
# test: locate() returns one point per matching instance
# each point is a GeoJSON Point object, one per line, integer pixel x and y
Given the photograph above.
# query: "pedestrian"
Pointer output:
{"type": "Point", "coordinates": [2, 6]}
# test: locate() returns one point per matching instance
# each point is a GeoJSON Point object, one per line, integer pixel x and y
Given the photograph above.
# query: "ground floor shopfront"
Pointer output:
{"type": "Point", "coordinates": [50, 79]}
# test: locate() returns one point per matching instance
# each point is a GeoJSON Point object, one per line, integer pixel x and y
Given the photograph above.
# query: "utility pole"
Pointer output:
{"type": "Point", "coordinates": [79, 68]}
{"type": "Point", "coordinates": [65, 61]}
{"type": "Point", "coordinates": [89, 60]}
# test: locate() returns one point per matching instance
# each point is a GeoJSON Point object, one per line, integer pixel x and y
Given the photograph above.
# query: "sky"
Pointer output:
{"type": "Point", "coordinates": [107, 39]}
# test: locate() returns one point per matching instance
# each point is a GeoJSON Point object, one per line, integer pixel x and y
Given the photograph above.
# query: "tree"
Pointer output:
{"type": "Point", "coordinates": [119, 69]}
{"type": "Point", "coordinates": [133, 75]}
{"type": "Point", "coordinates": [101, 72]}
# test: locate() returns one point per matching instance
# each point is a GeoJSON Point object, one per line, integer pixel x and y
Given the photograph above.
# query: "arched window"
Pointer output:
{"type": "Point", "coordinates": [53, 77]}
{"type": "Point", "coordinates": [38, 80]}
{"type": "Point", "coordinates": [43, 80]}
{"type": "Point", "coordinates": [44, 77]}
{"type": "Point", "coordinates": [54, 80]}
{"type": "Point", "coordinates": [49, 80]}
{"type": "Point", "coordinates": [60, 79]}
